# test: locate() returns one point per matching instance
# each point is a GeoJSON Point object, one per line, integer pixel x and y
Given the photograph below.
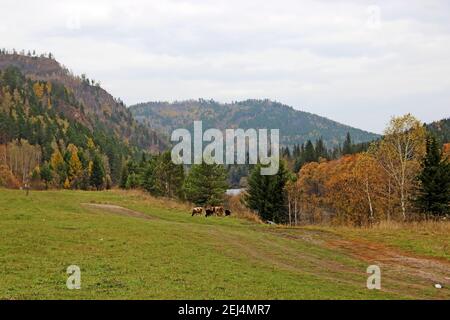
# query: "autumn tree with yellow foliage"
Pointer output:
{"type": "Point", "coordinates": [75, 168]}
{"type": "Point", "coordinates": [399, 154]}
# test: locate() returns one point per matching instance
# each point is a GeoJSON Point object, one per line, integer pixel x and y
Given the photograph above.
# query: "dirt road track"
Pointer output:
{"type": "Point", "coordinates": [118, 210]}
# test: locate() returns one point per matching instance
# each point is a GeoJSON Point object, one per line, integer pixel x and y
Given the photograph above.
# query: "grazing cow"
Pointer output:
{"type": "Point", "coordinates": [197, 210]}
{"type": "Point", "coordinates": [219, 211]}
{"type": "Point", "coordinates": [209, 211]}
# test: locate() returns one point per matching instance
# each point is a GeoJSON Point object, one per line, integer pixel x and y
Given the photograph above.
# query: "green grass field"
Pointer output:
{"type": "Point", "coordinates": [158, 251]}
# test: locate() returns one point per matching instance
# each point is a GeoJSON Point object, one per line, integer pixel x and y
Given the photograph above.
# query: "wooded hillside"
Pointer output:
{"type": "Point", "coordinates": [47, 114]}
{"type": "Point", "coordinates": [296, 127]}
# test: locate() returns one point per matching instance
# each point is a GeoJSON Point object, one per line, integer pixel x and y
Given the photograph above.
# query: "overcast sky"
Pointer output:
{"type": "Point", "coordinates": [357, 62]}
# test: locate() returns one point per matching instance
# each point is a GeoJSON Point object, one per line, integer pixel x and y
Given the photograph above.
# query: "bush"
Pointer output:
{"type": "Point", "coordinates": [132, 181]}
{"type": "Point", "coordinates": [7, 179]}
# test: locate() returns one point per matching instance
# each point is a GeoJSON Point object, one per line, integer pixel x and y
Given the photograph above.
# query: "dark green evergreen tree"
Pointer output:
{"type": "Point", "coordinates": [321, 150]}
{"type": "Point", "coordinates": [170, 176]}
{"type": "Point", "coordinates": [206, 184]}
{"type": "Point", "coordinates": [434, 191]}
{"type": "Point", "coordinates": [148, 179]}
{"type": "Point", "coordinates": [98, 173]}
{"type": "Point", "coordinates": [46, 174]}
{"type": "Point", "coordinates": [265, 194]}
{"type": "Point", "coordinates": [309, 153]}
{"type": "Point", "coordinates": [132, 181]}
{"type": "Point", "coordinates": [347, 147]}
{"type": "Point", "coordinates": [124, 177]}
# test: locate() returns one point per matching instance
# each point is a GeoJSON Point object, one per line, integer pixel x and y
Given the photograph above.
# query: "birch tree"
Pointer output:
{"type": "Point", "coordinates": [399, 153]}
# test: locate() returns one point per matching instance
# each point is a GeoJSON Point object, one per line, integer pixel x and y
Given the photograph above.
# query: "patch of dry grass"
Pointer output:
{"type": "Point", "coordinates": [429, 238]}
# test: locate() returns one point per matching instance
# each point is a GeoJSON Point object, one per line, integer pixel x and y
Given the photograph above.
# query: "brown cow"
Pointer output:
{"type": "Point", "coordinates": [219, 211]}
{"type": "Point", "coordinates": [213, 211]}
{"type": "Point", "coordinates": [197, 210]}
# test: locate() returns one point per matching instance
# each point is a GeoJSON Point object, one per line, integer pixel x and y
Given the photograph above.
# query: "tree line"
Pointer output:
{"type": "Point", "coordinates": [403, 176]}
{"type": "Point", "coordinates": [202, 184]}
{"type": "Point", "coordinates": [301, 154]}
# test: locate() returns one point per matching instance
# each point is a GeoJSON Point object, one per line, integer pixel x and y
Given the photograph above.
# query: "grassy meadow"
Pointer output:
{"type": "Point", "coordinates": [154, 249]}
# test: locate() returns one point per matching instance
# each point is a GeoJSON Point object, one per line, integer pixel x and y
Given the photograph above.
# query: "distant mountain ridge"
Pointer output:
{"type": "Point", "coordinates": [296, 127]}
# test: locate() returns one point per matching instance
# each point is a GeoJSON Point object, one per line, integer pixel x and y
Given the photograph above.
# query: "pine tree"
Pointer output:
{"type": "Point", "coordinates": [161, 177]}
{"type": "Point", "coordinates": [309, 153]}
{"type": "Point", "coordinates": [98, 173]}
{"type": "Point", "coordinates": [265, 194]}
{"type": "Point", "coordinates": [347, 147]}
{"type": "Point", "coordinates": [46, 174]}
{"type": "Point", "coordinates": [434, 191]}
{"type": "Point", "coordinates": [321, 150]}
{"type": "Point", "coordinates": [206, 184]}
{"type": "Point", "coordinates": [148, 180]}
{"type": "Point", "coordinates": [132, 181]}
{"type": "Point", "coordinates": [124, 177]}
{"type": "Point", "coordinates": [170, 176]}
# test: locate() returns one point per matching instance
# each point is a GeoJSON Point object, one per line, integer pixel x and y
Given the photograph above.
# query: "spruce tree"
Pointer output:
{"type": "Point", "coordinates": [265, 194]}
{"type": "Point", "coordinates": [98, 173]}
{"type": "Point", "coordinates": [124, 177]}
{"type": "Point", "coordinates": [347, 147]}
{"type": "Point", "coordinates": [46, 174]}
{"type": "Point", "coordinates": [161, 177]}
{"type": "Point", "coordinates": [321, 150]}
{"type": "Point", "coordinates": [132, 181]}
{"type": "Point", "coordinates": [310, 152]}
{"type": "Point", "coordinates": [434, 190]}
{"type": "Point", "coordinates": [148, 179]}
{"type": "Point", "coordinates": [169, 175]}
{"type": "Point", "coordinates": [206, 184]}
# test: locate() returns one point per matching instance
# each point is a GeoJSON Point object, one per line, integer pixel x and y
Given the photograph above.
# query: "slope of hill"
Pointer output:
{"type": "Point", "coordinates": [43, 103]}
{"type": "Point", "coordinates": [295, 126]}
{"type": "Point", "coordinates": [96, 108]}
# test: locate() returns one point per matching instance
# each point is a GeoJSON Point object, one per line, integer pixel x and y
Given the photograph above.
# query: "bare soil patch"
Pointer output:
{"type": "Point", "coordinates": [118, 210]}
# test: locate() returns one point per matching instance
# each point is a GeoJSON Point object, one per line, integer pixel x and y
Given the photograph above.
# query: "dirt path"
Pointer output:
{"type": "Point", "coordinates": [422, 273]}
{"type": "Point", "coordinates": [118, 210]}
{"type": "Point", "coordinates": [402, 272]}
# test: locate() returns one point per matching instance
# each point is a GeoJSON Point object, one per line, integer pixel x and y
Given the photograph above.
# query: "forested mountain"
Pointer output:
{"type": "Point", "coordinates": [296, 127]}
{"type": "Point", "coordinates": [93, 107]}
{"type": "Point", "coordinates": [441, 129]}
{"type": "Point", "coordinates": [42, 103]}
